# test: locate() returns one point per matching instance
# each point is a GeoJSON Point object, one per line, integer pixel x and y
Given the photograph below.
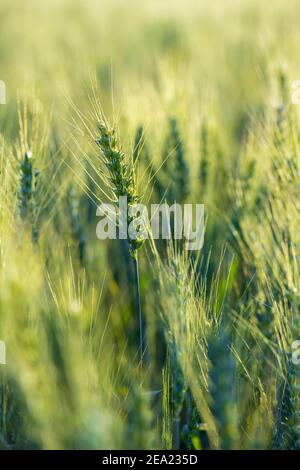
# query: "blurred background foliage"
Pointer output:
{"type": "Point", "coordinates": [200, 95]}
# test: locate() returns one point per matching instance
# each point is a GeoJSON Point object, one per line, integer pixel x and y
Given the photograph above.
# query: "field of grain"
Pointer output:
{"type": "Point", "coordinates": [106, 344]}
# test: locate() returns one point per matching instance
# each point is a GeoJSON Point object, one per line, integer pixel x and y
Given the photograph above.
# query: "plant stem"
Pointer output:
{"type": "Point", "coordinates": [139, 310]}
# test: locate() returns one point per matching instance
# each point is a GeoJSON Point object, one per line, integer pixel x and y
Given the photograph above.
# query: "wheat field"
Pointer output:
{"type": "Point", "coordinates": [145, 345]}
